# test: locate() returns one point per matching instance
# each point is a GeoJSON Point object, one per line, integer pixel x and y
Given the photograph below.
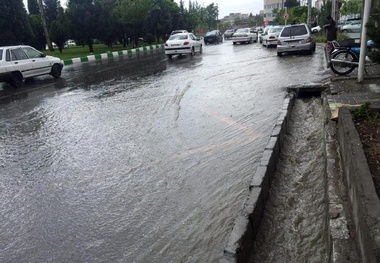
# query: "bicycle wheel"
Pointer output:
{"type": "Point", "coordinates": [342, 68]}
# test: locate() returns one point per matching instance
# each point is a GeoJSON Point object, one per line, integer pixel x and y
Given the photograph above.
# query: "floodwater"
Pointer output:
{"type": "Point", "coordinates": [138, 159]}
{"type": "Point", "coordinates": [295, 223]}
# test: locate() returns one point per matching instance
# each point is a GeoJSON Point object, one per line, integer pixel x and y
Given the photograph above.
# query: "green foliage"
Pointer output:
{"type": "Point", "coordinates": [364, 113]}
{"type": "Point", "coordinates": [351, 7]}
{"type": "Point", "coordinates": [14, 23]}
{"type": "Point", "coordinates": [291, 3]}
{"type": "Point", "coordinates": [321, 37]}
{"type": "Point", "coordinates": [33, 7]}
{"type": "Point", "coordinates": [149, 38]}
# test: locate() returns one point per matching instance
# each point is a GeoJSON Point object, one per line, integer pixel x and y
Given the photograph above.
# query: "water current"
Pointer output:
{"type": "Point", "coordinates": [294, 227]}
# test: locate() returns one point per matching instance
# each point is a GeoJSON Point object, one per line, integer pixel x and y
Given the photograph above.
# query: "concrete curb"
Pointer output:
{"type": "Point", "coordinates": [365, 205]}
{"type": "Point", "coordinates": [248, 221]}
{"type": "Point", "coordinates": [110, 54]}
{"type": "Point", "coordinates": [246, 225]}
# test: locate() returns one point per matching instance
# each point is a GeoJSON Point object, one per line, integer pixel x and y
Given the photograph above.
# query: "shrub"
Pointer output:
{"type": "Point", "coordinates": [150, 38]}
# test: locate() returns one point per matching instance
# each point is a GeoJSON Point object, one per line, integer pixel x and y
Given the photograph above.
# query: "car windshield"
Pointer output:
{"type": "Point", "coordinates": [211, 33]}
{"type": "Point", "coordinates": [243, 30]}
{"type": "Point", "coordinates": [178, 37]}
{"type": "Point", "coordinates": [294, 31]}
{"type": "Point", "coordinates": [275, 29]}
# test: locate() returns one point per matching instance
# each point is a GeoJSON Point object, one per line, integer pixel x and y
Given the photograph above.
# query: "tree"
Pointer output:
{"type": "Point", "coordinates": [211, 16]}
{"type": "Point", "coordinates": [33, 7]}
{"type": "Point", "coordinates": [14, 23]}
{"type": "Point", "coordinates": [51, 10]}
{"type": "Point", "coordinates": [351, 8]}
{"type": "Point", "coordinates": [135, 14]}
{"type": "Point", "coordinates": [59, 30]}
{"type": "Point", "coordinates": [291, 3]}
{"type": "Point", "coordinates": [38, 40]}
{"type": "Point", "coordinates": [83, 21]}
{"type": "Point", "coordinates": [161, 19]}
{"type": "Point", "coordinates": [108, 25]}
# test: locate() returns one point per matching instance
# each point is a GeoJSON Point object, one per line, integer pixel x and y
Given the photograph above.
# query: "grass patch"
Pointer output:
{"type": "Point", "coordinates": [83, 51]}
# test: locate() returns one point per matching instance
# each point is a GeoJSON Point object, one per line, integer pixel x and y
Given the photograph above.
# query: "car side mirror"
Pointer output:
{"type": "Point", "coordinates": [42, 55]}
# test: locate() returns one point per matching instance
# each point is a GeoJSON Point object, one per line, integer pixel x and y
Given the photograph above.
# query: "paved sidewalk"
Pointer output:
{"type": "Point", "coordinates": [346, 91]}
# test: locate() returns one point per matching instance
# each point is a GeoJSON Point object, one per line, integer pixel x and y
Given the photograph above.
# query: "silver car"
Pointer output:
{"type": "Point", "coordinates": [295, 38]}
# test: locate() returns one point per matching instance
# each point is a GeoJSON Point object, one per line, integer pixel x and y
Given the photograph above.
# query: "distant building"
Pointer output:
{"type": "Point", "coordinates": [232, 16]}
{"type": "Point", "coordinates": [269, 5]}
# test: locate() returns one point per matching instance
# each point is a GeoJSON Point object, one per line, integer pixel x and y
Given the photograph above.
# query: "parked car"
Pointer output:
{"type": "Point", "coordinates": [295, 38]}
{"type": "Point", "coordinates": [352, 27]}
{"type": "Point", "coordinates": [178, 31]}
{"type": "Point", "coordinates": [246, 35]}
{"type": "Point", "coordinates": [316, 29]}
{"type": "Point", "coordinates": [341, 23]}
{"type": "Point", "coordinates": [183, 43]}
{"type": "Point", "coordinates": [265, 30]}
{"type": "Point", "coordinates": [270, 37]}
{"type": "Point", "coordinates": [54, 45]}
{"type": "Point", "coordinates": [21, 62]}
{"type": "Point", "coordinates": [228, 33]}
{"type": "Point", "coordinates": [213, 36]}
{"type": "Point", "coordinates": [70, 43]}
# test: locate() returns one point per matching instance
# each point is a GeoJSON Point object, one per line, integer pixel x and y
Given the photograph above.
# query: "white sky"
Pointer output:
{"type": "Point", "coordinates": [225, 6]}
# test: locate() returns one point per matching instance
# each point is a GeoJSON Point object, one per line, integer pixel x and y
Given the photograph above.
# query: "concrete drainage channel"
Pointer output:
{"type": "Point", "coordinates": [298, 209]}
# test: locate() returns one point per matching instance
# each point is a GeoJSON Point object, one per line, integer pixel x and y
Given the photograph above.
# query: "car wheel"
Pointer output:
{"type": "Point", "coordinates": [169, 56]}
{"type": "Point", "coordinates": [192, 52]}
{"type": "Point", "coordinates": [279, 54]}
{"type": "Point", "coordinates": [16, 80]}
{"type": "Point", "coordinates": [201, 49]}
{"type": "Point", "coordinates": [56, 71]}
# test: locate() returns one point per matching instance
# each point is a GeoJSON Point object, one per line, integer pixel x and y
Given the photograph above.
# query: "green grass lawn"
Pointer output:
{"type": "Point", "coordinates": [83, 51]}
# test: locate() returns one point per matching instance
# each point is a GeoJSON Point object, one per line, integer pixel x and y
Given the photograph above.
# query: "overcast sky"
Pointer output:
{"type": "Point", "coordinates": [225, 6]}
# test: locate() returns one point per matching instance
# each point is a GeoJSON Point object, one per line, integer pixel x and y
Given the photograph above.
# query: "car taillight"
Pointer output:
{"type": "Point", "coordinates": [186, 43]}
{"type": "Point", "coordinates": [308, 40]}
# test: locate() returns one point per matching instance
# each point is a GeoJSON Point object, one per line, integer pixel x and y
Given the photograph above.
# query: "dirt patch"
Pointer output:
{"type": "Point", "coordinates": [369, 133]}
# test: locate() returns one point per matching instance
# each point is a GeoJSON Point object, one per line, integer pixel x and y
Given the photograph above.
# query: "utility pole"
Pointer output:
{"type": "Point", "coordinates": [43, 18]}
{"type": "Point", "coordinates": [309, 13]}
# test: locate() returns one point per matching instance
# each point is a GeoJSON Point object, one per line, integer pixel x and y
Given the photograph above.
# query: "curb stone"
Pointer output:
{"type": "Point", "coordinates": [109, 54]}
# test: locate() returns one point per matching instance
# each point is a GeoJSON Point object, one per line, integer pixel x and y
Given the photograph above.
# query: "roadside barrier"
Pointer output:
{"type": "Point", "coordinates": [110, 54]}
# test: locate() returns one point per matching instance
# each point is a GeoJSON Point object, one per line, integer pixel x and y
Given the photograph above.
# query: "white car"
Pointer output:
{"type": "Point", "coordinates": [271, 36]}
{"type": "Point", "coordinates": [183, 43]}
{"type": "Point", "coordinates": [21, 62]}
{"type": "Point", "coordinates": [265, 30]}
{"type": "Point", "coordinates": [352, 27]}
{"type": "Point", "coordinates": [246, 35]}
{"type": "Point", "coordinates": [178, 31]}
{"type": "Point", "coordinates": [70, 43]}
{"type": "Point", "coordinates": [316, 29]}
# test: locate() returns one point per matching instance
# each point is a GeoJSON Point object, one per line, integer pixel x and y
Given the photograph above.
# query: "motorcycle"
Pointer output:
{"type": "Point", "coordinates": [343, 56]}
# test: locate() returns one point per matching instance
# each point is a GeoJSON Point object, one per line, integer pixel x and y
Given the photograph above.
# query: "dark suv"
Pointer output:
{"type": "Point", "coordinates": [213, 36]}
{"type": "Point", "coordinates": [295, 38]}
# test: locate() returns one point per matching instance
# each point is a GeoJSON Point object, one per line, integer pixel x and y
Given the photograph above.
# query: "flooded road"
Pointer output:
{"type": "Point", "coordinates": [139, 159]}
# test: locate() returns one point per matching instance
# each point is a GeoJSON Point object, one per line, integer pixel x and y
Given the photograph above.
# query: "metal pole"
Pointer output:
{"type": "Point", "coordinates": [363, 39]}
{"type": "Point", "coordinates": [309, 13]}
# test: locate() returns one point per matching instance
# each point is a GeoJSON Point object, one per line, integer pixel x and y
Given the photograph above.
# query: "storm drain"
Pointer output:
{"type": "Point", "coordinates": [294, 227]}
